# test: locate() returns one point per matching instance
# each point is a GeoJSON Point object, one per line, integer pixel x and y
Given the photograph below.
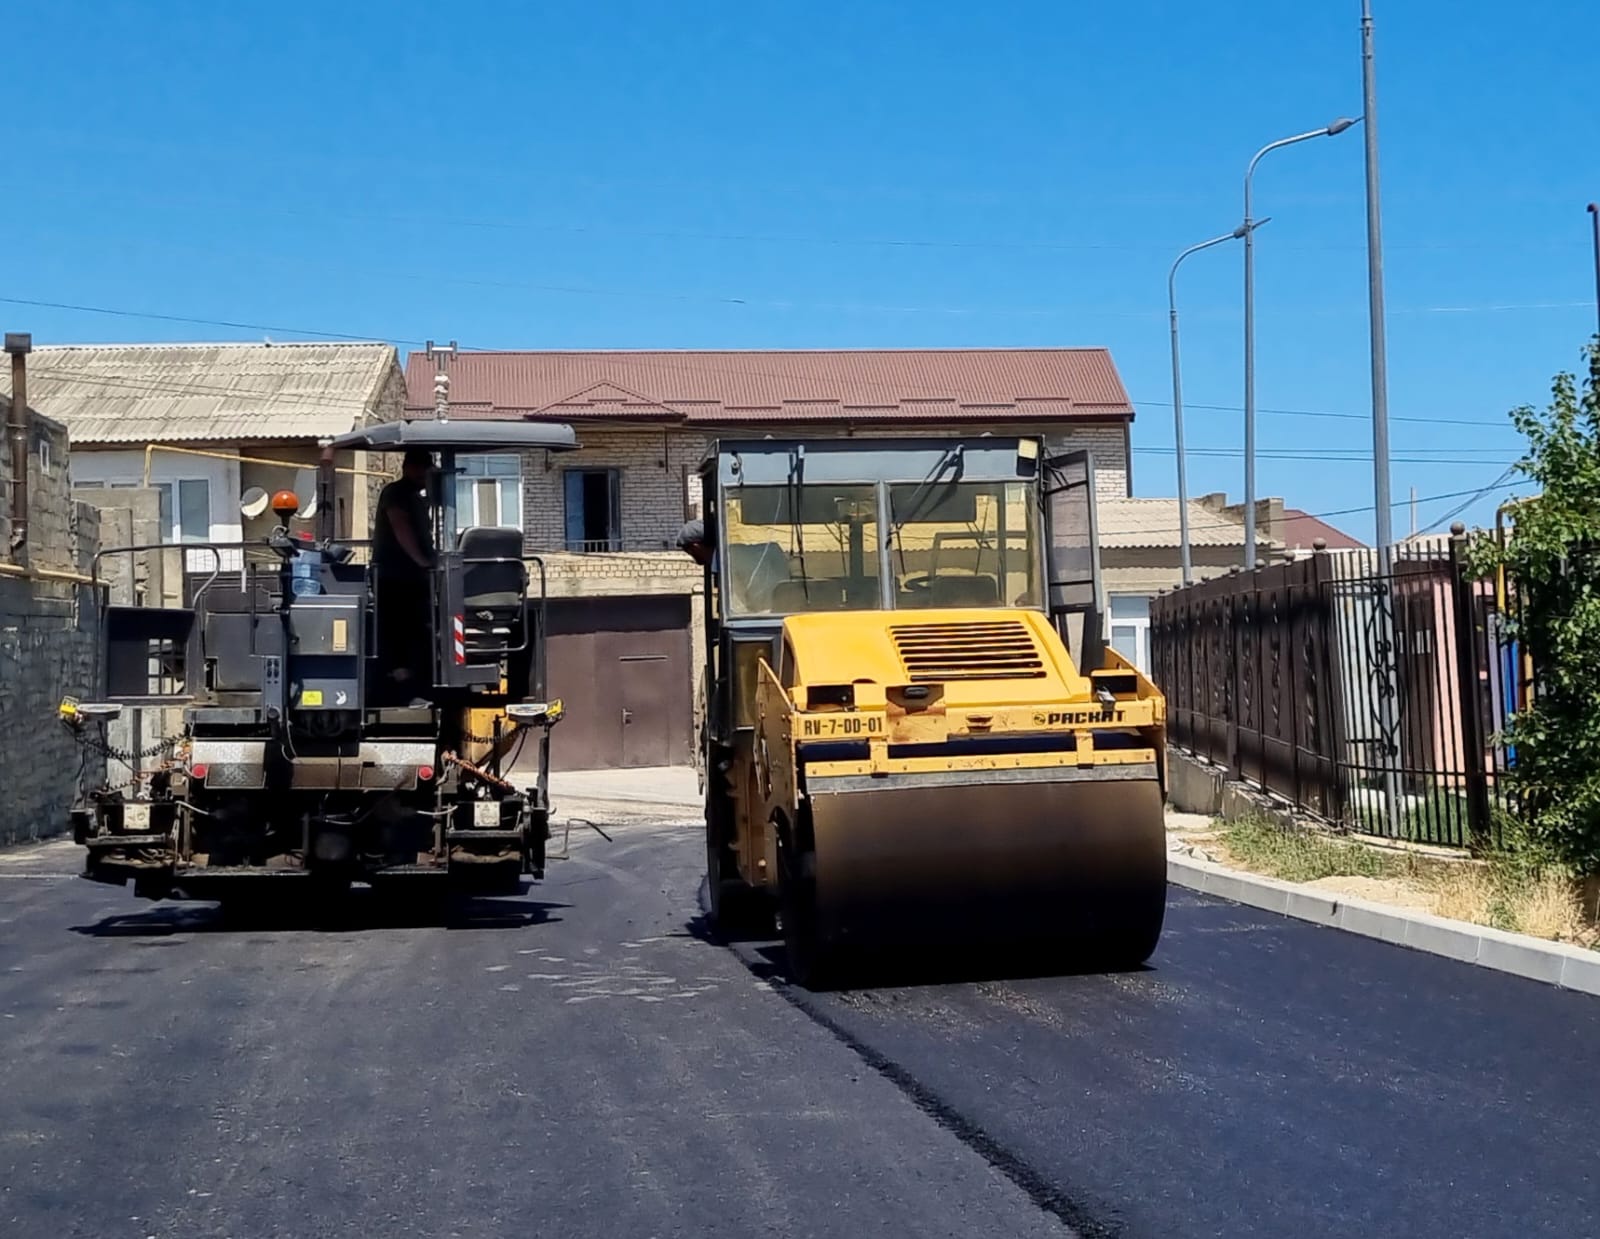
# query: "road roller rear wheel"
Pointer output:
{"type": "Point", "coordinates": [812, 963]}
{"type": "Point", "coordinates": [737, 908]}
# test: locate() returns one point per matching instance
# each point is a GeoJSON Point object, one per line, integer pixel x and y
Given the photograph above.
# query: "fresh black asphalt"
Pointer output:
{"type": "Point", "coordinates": [587, 1061]}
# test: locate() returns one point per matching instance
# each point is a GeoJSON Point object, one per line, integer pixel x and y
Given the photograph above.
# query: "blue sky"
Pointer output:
{"type": "Point", "coordinates": [864, 174]}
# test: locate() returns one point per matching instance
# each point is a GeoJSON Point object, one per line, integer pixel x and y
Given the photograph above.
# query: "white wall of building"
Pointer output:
{"type": "Point", "coordinates": [181, 475]}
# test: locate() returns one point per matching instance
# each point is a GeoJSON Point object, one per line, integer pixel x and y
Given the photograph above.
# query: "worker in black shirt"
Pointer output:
{"type": "Point", "coordinates": [402, 556]}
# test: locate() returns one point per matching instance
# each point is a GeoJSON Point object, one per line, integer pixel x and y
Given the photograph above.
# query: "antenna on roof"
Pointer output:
{"type": "Point", "coordinates": [443, 355]}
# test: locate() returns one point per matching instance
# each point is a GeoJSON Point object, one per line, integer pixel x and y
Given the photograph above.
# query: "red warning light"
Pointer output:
{"type": "Point", "coordinates": [425, 773]}
{"type": "Point", "coordinates": [199, 770]}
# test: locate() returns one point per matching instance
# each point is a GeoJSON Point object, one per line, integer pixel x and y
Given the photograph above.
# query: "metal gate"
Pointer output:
{"type": "Point", "coordinates": [1360, 686]}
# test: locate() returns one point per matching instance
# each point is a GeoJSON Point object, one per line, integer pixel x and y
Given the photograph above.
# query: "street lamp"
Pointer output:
{"type": "Point", "coordinates": [1594, 210]}
{"type": "Point", "coordinates": [1248, 228]}
{"type": "Point", "coordinates": [1177, 394]}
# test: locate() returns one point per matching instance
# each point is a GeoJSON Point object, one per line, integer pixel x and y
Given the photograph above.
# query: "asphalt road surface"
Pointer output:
{"type": "Point", "coordinates": [585, 1061]}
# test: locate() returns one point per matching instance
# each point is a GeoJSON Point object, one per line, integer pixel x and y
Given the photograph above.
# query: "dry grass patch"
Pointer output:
{"type": "Point", "coordinates": [1500, 892]}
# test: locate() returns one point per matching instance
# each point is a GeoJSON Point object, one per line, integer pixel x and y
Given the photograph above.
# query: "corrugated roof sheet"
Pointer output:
{"type": "Point", "coordinates": [733, 387]}
{"type": "Point", "coordinates": [1153, 523]}
{"type": "Point", "coordinates": [182, 393]}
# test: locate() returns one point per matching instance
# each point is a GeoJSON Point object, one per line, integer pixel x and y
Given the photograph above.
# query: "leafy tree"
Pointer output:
{"type": "Point", "coordinates": [1552, 559]}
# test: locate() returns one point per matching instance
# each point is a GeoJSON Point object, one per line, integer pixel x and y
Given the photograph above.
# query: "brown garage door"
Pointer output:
{"type": "Point", "coordinates": [621, 669]}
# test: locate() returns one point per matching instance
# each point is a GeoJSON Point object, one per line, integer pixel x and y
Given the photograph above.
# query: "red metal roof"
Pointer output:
{"type": "Point", "coordinates": [1301, 530]}
{"type": "Point", "coordinates": [725, 387]}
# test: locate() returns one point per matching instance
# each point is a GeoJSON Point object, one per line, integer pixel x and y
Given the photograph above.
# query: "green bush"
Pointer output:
{"type": "Point", "coordinates": [1552, 558]}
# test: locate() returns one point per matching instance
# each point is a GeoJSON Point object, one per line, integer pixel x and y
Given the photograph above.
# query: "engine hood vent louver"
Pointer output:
{"type": "Point", "coordinates": [977, 650]}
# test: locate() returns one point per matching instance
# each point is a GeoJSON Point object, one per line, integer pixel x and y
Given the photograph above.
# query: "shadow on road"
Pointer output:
{"type": "Point", "coordinates": [764, 955]}
{"type": "Point", "coordinates": [358, 911]}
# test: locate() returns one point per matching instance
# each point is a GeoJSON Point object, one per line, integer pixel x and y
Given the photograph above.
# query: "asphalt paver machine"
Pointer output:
{"type": "Point", "coordinates": [288, 763]}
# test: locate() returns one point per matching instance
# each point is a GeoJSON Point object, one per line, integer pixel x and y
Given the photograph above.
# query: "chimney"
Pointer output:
{"type": "Point", "coordinates": [1269, 520]}
{"type": "Point", "coordinates": [19, 344]}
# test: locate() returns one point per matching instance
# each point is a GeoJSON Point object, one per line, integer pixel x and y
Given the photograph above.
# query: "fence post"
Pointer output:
{"type": "Point", "coordinates": [1469, 692]}
{"type": "Point", "coordinates": [1230, 611]}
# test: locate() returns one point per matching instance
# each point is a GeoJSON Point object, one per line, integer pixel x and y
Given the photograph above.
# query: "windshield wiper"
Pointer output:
{"type": "Point", "coordinates": [797, 459]}
{"type": "Point", "coordinates": [953, 456]}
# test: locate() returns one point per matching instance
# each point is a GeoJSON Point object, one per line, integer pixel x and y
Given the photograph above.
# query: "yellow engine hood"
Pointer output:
{"type": "Point", "coordinates": [988, 656]}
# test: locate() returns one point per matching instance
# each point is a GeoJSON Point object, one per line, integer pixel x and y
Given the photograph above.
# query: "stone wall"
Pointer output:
{"type": "Point", "coordinates": [48, 633]}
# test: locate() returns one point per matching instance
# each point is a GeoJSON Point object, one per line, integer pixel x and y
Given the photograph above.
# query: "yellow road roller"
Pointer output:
{"type": "Point", "coordinates": [916, 743]}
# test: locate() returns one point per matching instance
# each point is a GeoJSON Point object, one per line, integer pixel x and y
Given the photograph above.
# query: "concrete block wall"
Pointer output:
{"type": "Point", "coordinates": [48, 634]}
{"type": "Point", "coordinates": [47, 650]}
{"type": "Point", "coordinates": [1113, 471]}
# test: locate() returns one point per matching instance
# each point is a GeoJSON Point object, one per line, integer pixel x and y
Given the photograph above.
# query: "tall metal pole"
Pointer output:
{"type": "Point", "coordinates": [1177, 397]}
{"type": "Point", "coordinates": [1249, 374]}
{"type": "Point", "coordinates": [1388, 682]}
{"type": "Point", "coordinates": [1248, 228]}
{"type": "Point", "coordinates": [1380, 363]}
{"type": "Point", "coordinates": [1594, 211]}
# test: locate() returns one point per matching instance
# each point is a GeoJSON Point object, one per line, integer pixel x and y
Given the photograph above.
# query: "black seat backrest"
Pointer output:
{"type": "Point", "coordinates": [502, 583]}
{"type": "Point", "coordinates": [965, 591]}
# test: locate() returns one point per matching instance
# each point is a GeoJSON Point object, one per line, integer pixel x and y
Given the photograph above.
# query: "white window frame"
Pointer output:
{"type": "Point", "coordinates": [121, 468]}
{"type": "Point", "coordinates": [1137, 625]}
{"type": "Point", "coordinates": [476, 470]}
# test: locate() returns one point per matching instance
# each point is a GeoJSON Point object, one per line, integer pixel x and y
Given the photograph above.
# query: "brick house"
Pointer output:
{"type": "Point", "coordinates": [604, 518]}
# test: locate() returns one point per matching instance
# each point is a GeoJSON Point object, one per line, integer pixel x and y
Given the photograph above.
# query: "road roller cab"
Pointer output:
{"type": "Point", "coordinates": [914, 736]}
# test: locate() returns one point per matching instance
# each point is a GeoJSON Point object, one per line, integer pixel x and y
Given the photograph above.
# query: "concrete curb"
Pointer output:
{"type": "Point", "coordinates": [1554, 963]}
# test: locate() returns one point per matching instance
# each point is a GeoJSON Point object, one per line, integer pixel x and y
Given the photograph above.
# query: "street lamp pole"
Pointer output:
{"type": "Point", "coordinates": [1248, 229]}
{"type": "Point", "coordinates": [1594, 211]}
{"type": "Point", "coordinates": [1177, 396]}
{"type": "Point", "coordinates": [1380, 363]}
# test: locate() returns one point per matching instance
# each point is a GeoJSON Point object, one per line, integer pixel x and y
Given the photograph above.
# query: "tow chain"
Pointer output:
{"type": "Point", "coordinates": [127, 757]}
{"type": "Point", "coordinates": [510, 731]}
{"type": "Point", "coordinates": [477, 772]}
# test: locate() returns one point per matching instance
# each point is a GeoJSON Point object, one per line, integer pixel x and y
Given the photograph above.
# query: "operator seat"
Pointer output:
{"type": "Point", "coordinates": [494, 588]}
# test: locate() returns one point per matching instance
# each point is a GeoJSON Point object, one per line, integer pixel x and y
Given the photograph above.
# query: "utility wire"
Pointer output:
{"type": "Point", "coordinates": [625, 360]}
{"type": "Point", "coordinates": [1200, 526]}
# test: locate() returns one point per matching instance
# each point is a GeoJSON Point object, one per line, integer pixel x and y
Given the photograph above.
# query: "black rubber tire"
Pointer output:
{"type": "Point", "coordinates": [810, 962]}
{"type": "Point", "coordinates": [738, 910]}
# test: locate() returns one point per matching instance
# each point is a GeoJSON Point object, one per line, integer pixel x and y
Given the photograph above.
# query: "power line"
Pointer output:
{"type": "Point", "coordinates": [1467, 503]}
{"type": "Point", "coordinates": [623, 360]}
{"type": "Point", "coordinates": [1195, 526]}
{"type": "Point", "coordinates": [208, 322]}
{"type": "Point", "coordinates": [254, 206]}
{"type": "Point", "coordinates": [1354, 417]}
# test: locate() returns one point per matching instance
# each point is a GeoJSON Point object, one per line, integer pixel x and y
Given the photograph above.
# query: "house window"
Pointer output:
{"type": "Point", "coordinates": [489, 491]}
{"type": "Point", "coordinates": [188, 521]}
{"type": "Point", "coordinates": [194, 511]}
{"type": "Point", "coordinates": [593, 509]}
{"type": "Point", "coordinates": [1130, 629]}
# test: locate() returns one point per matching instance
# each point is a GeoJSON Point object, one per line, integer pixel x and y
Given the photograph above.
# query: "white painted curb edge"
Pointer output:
{"type": "Point", "coordinates": [1554, 963]}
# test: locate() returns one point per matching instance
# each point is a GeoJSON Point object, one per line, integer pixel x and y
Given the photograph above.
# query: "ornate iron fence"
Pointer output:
{"type": "Point", "coordinates": [1366, 687]}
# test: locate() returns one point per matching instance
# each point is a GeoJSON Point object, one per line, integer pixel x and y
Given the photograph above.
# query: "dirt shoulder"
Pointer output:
{"type": "Point", "coordinates": [1495, 893]}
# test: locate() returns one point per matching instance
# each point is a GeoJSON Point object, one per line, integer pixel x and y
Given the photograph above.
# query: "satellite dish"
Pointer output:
{"type": "Point", "coordinates": [305, 482]}
{"type": "Point", "coordinates": [253, 502]}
